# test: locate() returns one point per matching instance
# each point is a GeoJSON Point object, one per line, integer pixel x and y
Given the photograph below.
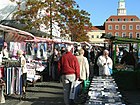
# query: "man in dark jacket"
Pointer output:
{"type": "Point", "coordinates": [69, 69]}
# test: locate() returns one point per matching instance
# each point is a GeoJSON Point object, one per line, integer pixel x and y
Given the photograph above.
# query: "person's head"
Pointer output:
{"type": "Point", "coordinates": [5, 45]}
{"type": "Point", "coordinates": [68, 48]}
{"type": "Point", "coordinates": [19, 53]}
{"type": "Point", "coordinates": [106, 53]}
{"type": "Point", "coordinates": [81, 52]}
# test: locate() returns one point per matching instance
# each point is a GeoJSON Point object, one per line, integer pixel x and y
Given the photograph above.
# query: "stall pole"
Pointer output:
{"type": "Point", "coordinates": [115, 50]}
{"type": "Point", "coordinates": [138, 53]}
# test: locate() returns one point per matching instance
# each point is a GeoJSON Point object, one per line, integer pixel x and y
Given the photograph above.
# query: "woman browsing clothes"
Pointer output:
{"type": "Point", "coordinates": [22, 60]}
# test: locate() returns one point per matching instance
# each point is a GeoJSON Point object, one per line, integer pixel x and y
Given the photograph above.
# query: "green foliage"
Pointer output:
{"type": "Point", "coordinates": [65, 13]}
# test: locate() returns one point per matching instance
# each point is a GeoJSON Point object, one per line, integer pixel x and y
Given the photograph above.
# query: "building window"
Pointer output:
{"type": "Point", "coordinates": [123, 34]}
{"type": "Point", "coordinates": [133, 19]}
{"type": "Point", "coordinates": [130, 27]}
{"type": "Point", "coordinates": [119, 19]}
{"type": "Point", "coordinates": [125, 19]}
{"type": "Point", "coordinates": [92, 36]}
{"type": "Point", "coordinates": [109, 27]}
{"type": "Point", "coordinates": [112, 20]}
{"type": "Point", "coordinates": [98, 36]}
{"type": "Point", "coordinates": [116, 27]}
{"type": "Point", "coordinates": [117, 34]}
{"type": "Point", "coordinates": [130, 35]}
{"type": "Point", "coordinates": [137, 35]}
{"type": "Point", "coordinates": [137, 27]}
{"type": "Point", "coordinates": [123, 27]}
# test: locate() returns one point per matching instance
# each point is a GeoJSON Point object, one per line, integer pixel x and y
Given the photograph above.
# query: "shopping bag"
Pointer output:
{"type": "Point", "coordinates": [110, 70]}
{"type": "Point", "coordinates": [86, 83]}
{"type": "Point", "coordinates": [106, 70]}
{"type": "Point", "coordinates": [75, 88]}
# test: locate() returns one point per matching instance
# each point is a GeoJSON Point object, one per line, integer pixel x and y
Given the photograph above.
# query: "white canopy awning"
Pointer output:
{"type": "Point", "coordinates": [15, 35]}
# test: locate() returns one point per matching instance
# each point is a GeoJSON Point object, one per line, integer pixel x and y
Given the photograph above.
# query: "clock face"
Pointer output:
{"type": "Point", "coordinates": [122, 5]}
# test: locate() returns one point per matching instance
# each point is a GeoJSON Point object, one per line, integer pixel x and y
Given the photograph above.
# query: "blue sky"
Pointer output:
{"type": "Point", "coordinates": [100, 10]}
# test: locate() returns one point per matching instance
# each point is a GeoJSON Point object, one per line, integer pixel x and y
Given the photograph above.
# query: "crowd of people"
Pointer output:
{"type": "Point", "coordinates": [75, 62]}
{"type": "Point", "coordinates": [75, 66]}
{"type": "Point", "coordinates": [72, 63]}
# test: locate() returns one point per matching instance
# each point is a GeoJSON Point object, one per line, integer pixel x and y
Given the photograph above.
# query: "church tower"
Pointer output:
{"type": "Point", "coordinates": [121, 8]}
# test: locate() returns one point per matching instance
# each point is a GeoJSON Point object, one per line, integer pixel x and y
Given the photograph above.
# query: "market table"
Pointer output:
{"type": "Point", "coordinates": [103, 91]}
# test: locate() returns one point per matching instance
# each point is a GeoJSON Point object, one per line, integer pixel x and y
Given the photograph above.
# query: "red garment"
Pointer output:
{"type": "Point", "coordinates": [1, 72]}
{"type": "Point", "coordinates": [68, 64]}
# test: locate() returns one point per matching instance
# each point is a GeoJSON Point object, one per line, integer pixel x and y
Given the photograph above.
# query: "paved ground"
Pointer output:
{"type": "Point", "coordinates": [43, 93]}
{"type": "Point", "coordinates": [51, 93]}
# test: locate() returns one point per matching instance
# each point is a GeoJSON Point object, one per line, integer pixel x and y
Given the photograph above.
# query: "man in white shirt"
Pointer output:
{"type": "Point", "coordinates": [105, 63]}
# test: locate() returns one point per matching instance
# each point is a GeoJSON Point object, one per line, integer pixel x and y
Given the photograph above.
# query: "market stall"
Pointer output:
{"type": "Point", "coordinates": [125, 54]}
{"type": "Point", "coordinates": [11, 34]}
{"type": "Point", "coordinates": [11, 40]}
{"type": "Point", "coordinates": [38, 52]}
{"type": "Point", "coordinates": [47, 55]}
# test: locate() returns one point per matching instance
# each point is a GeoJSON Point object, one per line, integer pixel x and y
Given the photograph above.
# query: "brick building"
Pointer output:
{"type": "Point", "coordinates": [123, 25]}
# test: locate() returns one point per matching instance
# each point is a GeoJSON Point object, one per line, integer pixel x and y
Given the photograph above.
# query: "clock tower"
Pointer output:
{"type": "Point", "coordinates": [121, 8]}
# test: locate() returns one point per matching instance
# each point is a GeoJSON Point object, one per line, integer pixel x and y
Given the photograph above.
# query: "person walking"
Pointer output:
{"type": "Point", "coordinates": [69, 69]}
{"type": "Point", "coordinates": [84, 65]}
{"type": "Point", "coordinates": [84, 71]}
{"type": "Point", "coordinates": [105, 63]}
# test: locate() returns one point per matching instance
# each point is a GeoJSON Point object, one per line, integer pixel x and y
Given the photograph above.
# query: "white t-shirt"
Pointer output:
{"type": "Point", "coordinates": [23, 64]}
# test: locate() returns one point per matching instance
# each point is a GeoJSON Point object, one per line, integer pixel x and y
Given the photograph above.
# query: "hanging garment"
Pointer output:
{"type": "Point", "coordinates": [28, 49]}
{"type": "Point", "coordinates": [19, 81]}
{"type": "Point", "coordinates": [13, 80]}
{"type": "Point", "coordinates": [1, 72]}
{"type": "Point", "coordinates": [8, 80]}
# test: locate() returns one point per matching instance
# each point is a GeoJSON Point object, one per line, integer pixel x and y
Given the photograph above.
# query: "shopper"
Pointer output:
{"type": "Point", "coordinates": [105, 63]}
{"type": "Point", "coordinates": [69, 69]}
{"type": "Point", "coordinates": [84, 70]}
{"type": "Point", "coordinates": [128, 58]}
{"type": "Point", "coordinates": [84, 65]}
{"type": "Point", "coordinates": [22, 60]}
{"type": "Point", "coordinates": [5, 51]}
